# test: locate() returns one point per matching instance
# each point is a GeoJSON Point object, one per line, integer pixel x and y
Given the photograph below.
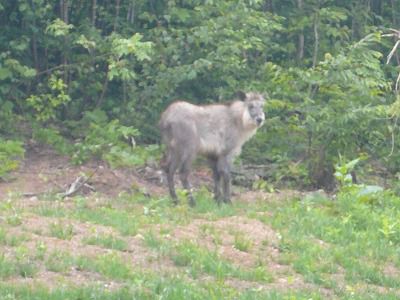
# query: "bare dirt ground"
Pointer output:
{"type": "Point", "coordinates": [43, 172]}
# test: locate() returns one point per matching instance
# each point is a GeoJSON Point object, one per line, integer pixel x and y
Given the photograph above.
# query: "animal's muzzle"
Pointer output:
{"type": "Point", "coordinates": [259, 121]}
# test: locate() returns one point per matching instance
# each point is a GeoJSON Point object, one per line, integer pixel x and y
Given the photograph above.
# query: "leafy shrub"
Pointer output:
{"type": "Point", "coordinates": [50, 99]}
{"type": "Point", "coordinates": [109, 142]}
{"type": "Point", "coordinates": [361, 192]}
{"type": "Point", "coordinates": [10, 154]}
{"type": "Point", "coordinates": [96, 137]}
{"type": "Point", "coordinates": [52, 137]}
{"type": "Point", "coordinates": [6, 117]}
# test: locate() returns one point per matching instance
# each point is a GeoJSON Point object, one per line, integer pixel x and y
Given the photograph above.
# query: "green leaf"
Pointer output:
{"type": "Point", "coordinates": [5, 73]}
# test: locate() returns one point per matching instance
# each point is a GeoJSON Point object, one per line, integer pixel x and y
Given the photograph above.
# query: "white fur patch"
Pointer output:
{"type": "Point", "coordinates": [248, 121]}
{"type": "Point", "coordinates": [209, 146]}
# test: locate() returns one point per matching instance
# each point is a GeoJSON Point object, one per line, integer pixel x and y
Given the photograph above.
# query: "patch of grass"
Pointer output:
{"type": "Point", "coordinates": [54, 209]}
{"type": "Point", "coordinates": [241, 242]}
{"type": "Point", "coordinates": [80, 202]}
{"type": "Point", "coordinates": [108, 241]}
{"type": "Point", "coordinates": [22, 264]}
{"type": "Point", "coordinates": [11, 212]}
{"type": "Point", "coordinates": [126, 222]}
{"type": "Point", "coordinates": [3, 236]}
{"type": "Point", "coordinates": [25, 264]}
{"type": "Point", "coordinates": [11, 240]}
{"type": "Point", "coordinates": [110, 265]}
{"type": "Point", "coordinates": [59, 261]}
{"type": "Point", "coordinates": [121, 220]}
{"type": "Point", "coordinates": [340, 247]}
{"type": "Point", "coordinates": [210, 230]}
{"type": "Point", "coordinates": [152, 286]}
{"type": "Point", "coordinates": [61, 230]}
{"type": "Point", "coordinates": [7, 267]}
{"type": "Point", "coordinates": [321, 238]}
{"type": "Point", "coordinates": [14, 219]}
{"type": "Point", "coordinates": [152, 241]}
{"type": "Point", "coordinates": [27, 268]}
{"type": "Point", "coordinates": [41, 250]}
{"type": "Point", "coordinates": [200, 260]}
{"type": "Point", "coordinates": [207, 207]}
{"type": "Point", "coordinates": [165, 230]}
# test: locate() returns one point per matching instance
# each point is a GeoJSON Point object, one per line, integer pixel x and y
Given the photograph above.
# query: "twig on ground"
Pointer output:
{"type": "Point", "coordinates": [78, 184]}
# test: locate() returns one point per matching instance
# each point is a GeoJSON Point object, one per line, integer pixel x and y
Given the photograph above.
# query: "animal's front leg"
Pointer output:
{"type": "Point", "coordinates": [186, 185]}
{"type": "Point", "coordinates": [227, 188]}
{"type": "Point", "coordinates": [225, 171]}
{"type": "Point", "coordinates": [184, 174]}
{"type": "Point", "coordinates": [216, 178]}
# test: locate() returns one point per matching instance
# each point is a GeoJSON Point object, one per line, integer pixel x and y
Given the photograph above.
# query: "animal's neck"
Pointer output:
{"type": "Point", "coordinates": [247, 122]}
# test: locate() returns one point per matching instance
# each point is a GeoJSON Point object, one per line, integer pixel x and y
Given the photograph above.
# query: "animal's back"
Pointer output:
{"type": "Point", "coordinates": [207, 126]}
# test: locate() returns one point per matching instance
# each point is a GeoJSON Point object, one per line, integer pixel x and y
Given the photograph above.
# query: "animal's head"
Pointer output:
{"type": "Point", "coordinates": [255, 108]}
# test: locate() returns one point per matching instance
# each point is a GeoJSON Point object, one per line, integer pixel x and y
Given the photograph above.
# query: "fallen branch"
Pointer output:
{"type": "Point", "coordinates": [79, 182]}
{"type": "Point", "coordinates": [75, 186]}
{"type": "Point", "coordinates": [89, 187]}
{"type": "Point", "coordinates": [32, 194]}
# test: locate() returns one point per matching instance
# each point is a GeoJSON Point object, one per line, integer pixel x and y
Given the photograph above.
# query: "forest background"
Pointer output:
{"type": "Point", "coordinates": [90, 78]}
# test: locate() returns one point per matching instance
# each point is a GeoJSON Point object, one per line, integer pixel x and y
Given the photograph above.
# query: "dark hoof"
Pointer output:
{"type": "Point", "coordinates": [218, 201]}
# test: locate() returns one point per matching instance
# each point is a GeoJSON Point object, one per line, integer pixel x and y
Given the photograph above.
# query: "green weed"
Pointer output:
{"type": "Point", "coordinates": [242, 243]}
{"type": "Point", "coordinates": [61, 230]}
{"type": "Point", "coordinates": [199, 260]}
{"type": "Point", "coordinates": [7, 267]}
{"type": "Point", "coordinates": [12, 240]}
{"type": "Point", "coordinates": [110, 265]}
{"type": "Point", "coordinates": [59, 261]}
{"type": "Point", "coordinates": [106, 241]}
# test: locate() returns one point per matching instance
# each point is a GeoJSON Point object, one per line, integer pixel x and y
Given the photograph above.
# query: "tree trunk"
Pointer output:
{"type": "Point", "coordinates": [316, 39]}
{"type": "Point", "coordinates": [64, 17]}
{"type": "Point", "coordinates": [117, 7]}
{"type": "Point", "coordinates": [34, 39]}
{"type": "Point", "coordinates": [300, 48]}
{"type": "Point", "coordinates": [394, 21]}
{"type": "Point", "coordinates": [130, 16]}
{"type": "Point", "coordinates": [103, 92]}
{"type": "Point", "coordinates": [64, 10]}
{"type": "Point", "coordinates": [268, 6]}
{"type": "Point", "coordinates": [354, 22]}
{"type": "Point", "coordinates": [124, 98]}
{"type": "Point", "coordinates": [94, 10]}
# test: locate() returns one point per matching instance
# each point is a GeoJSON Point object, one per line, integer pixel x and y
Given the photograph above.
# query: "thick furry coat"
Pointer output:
{"type": "Point", "coordinates": [216, 131]}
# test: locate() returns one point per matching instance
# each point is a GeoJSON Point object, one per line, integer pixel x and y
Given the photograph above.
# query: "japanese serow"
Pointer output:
{"type": "Point", "coordinates": [216, 131]}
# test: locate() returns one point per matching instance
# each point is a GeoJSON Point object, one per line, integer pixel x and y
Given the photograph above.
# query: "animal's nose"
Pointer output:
{"type": "Point", "coordinates": [259, 120]}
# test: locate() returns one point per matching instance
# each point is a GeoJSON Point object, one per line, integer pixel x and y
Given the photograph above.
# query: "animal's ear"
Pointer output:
{"type": "Point", "coordinates": [242, 95]}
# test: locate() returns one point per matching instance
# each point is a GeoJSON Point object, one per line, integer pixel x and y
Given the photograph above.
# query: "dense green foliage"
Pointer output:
{"type": "Point", "coordinates": [322, 62]}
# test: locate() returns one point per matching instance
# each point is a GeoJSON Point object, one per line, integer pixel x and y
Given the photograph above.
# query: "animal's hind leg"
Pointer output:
{"type": "Point", "coordinates": [171, 165]}
{"type": "Point", "coordinates": [184, 175]}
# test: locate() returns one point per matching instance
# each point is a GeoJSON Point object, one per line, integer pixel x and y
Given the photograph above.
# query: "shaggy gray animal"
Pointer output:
{"type": "Point", "coordinates": [216, 131]}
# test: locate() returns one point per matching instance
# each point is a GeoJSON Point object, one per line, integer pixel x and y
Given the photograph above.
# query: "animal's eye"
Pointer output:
{"type": "Point", "coordinates": [251, 106]}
